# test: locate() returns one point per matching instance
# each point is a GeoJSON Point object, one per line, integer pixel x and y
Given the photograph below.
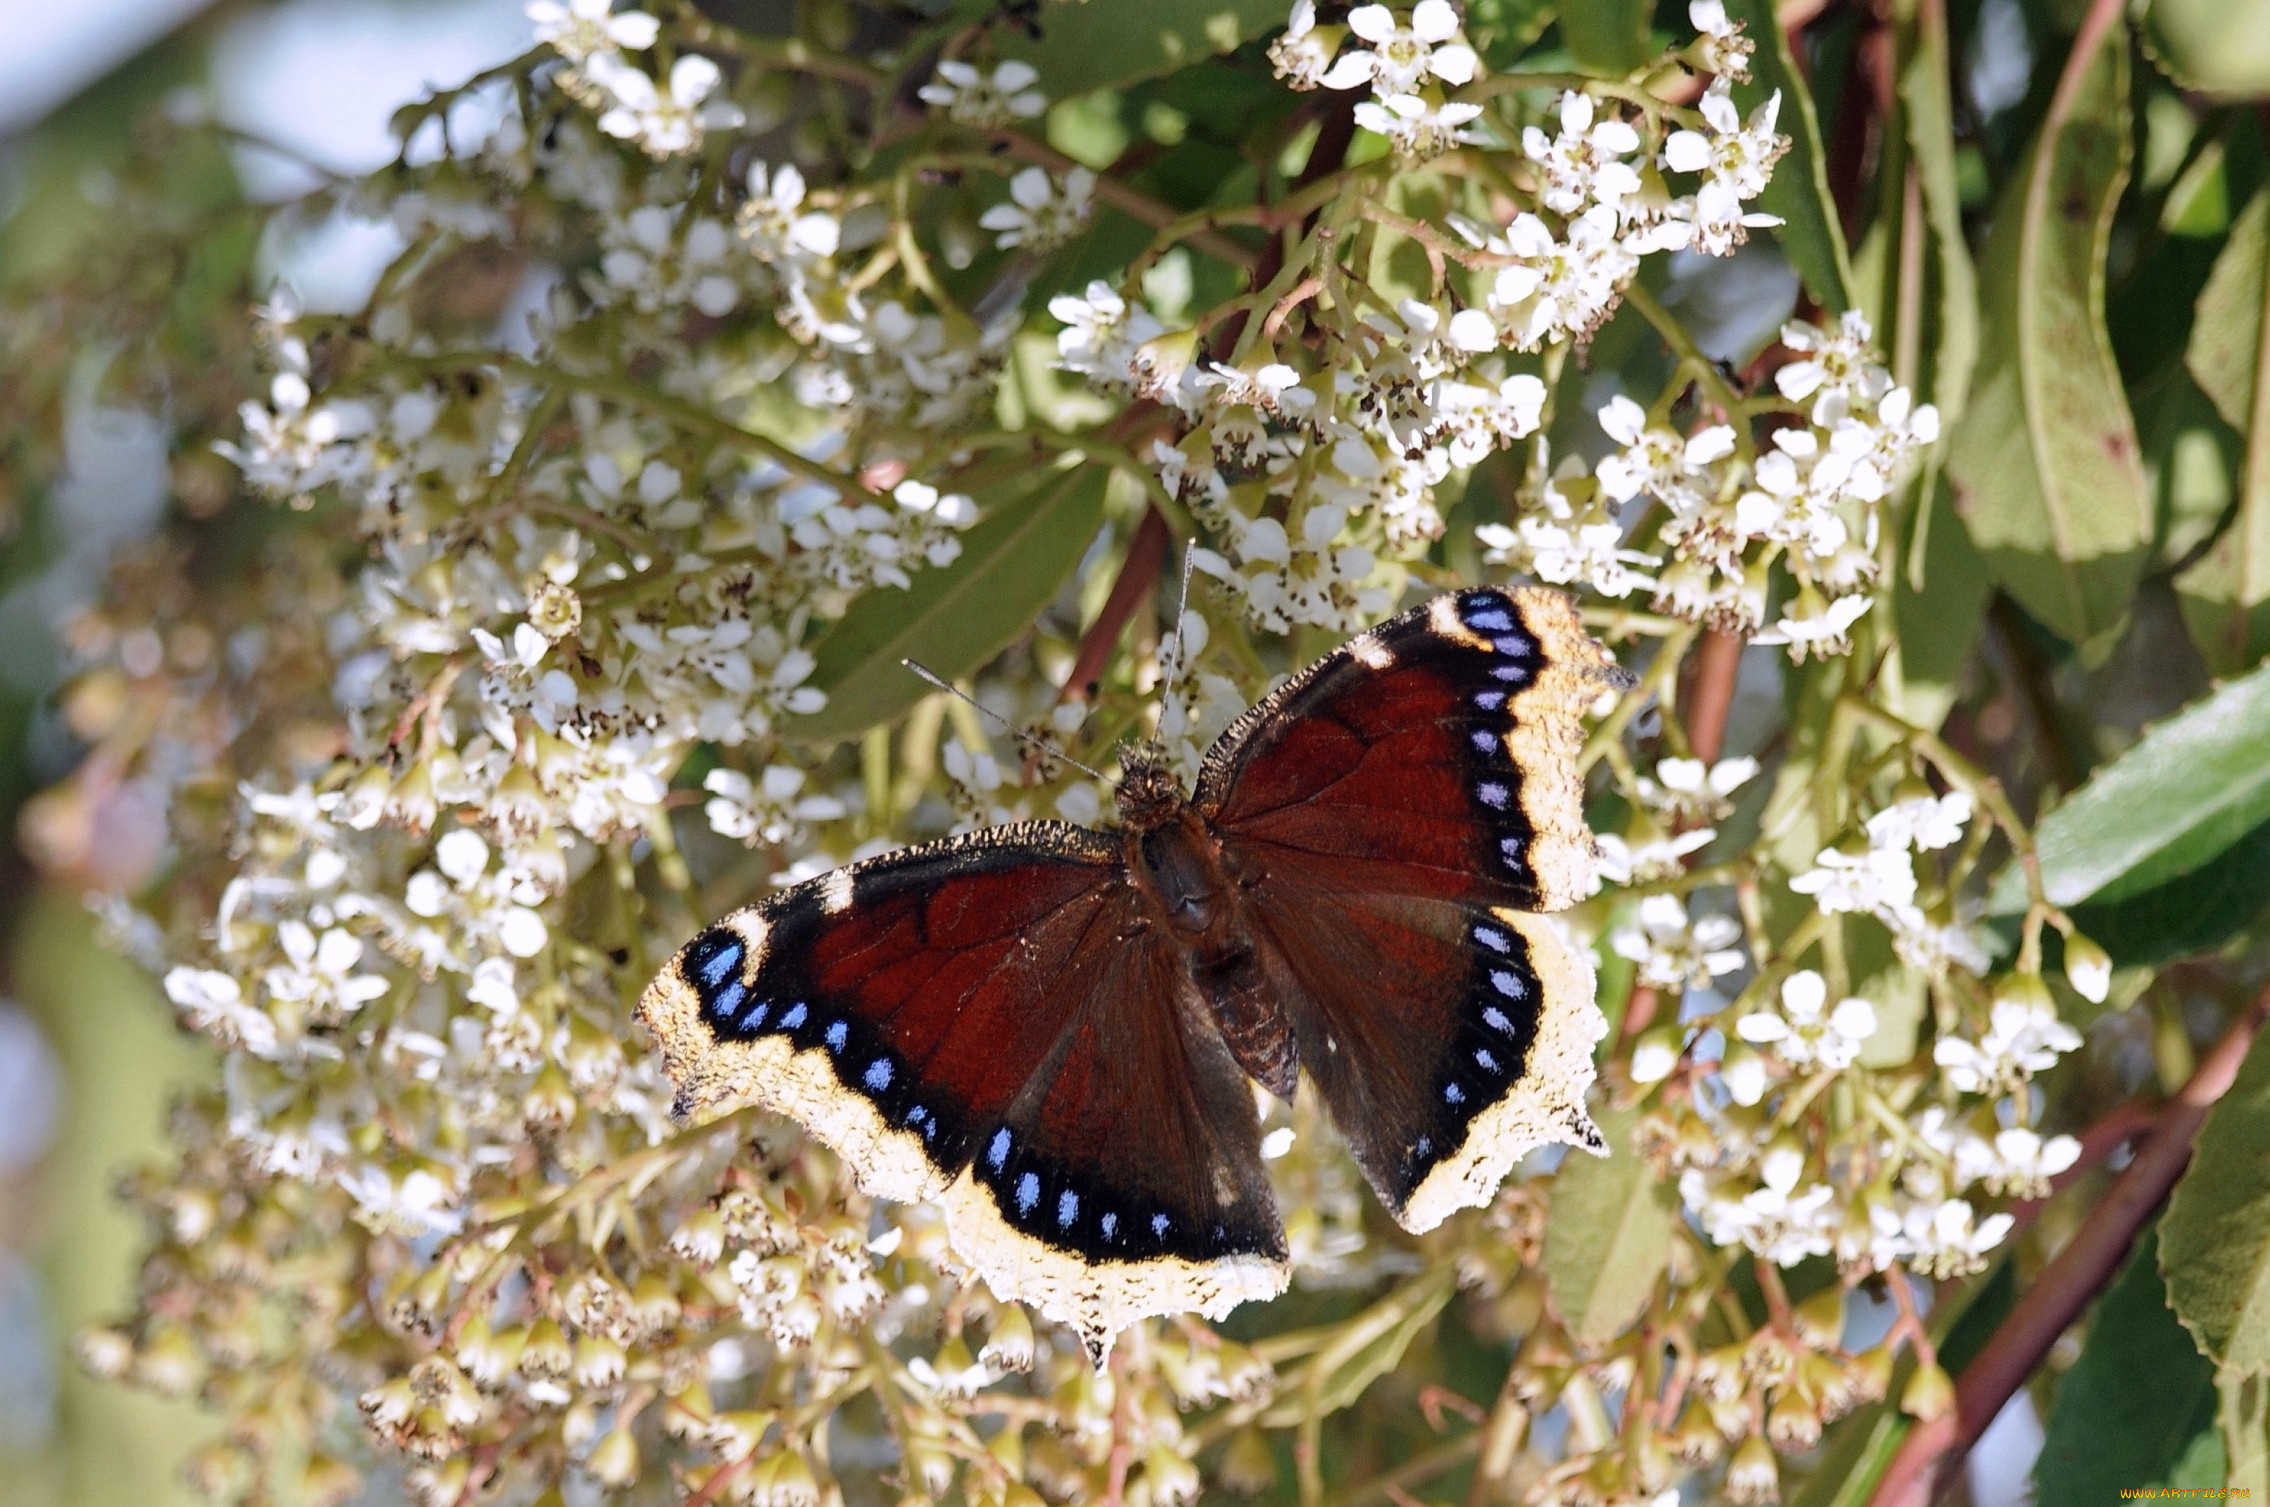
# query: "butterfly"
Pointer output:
{"type": "Point", "coordinates": [1055, 1031]}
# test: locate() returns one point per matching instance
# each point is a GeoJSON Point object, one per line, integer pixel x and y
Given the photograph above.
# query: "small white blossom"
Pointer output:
{"type": "Point", "coordinates": [664, 123]}
{"type": "Point", "coordinates": [2022, 1038]}
{"type": "Point", "coordinates": [1402, 55]}
{"type": "Point", "coordinates": [1806, 1033]}
{"type": "Point", "coordinates": [1686, 791]}
{"type": "Point", "coordinates": [1042, 214]}
{"type": "Point", "coordinates": [580, 29]}
{"type": "Point", "coordinates": [986, 101]}
{"type": "Point", "coordinates": [1923, 822]}
{"type": "Point", "coordinates": [1674, 951]}
{"type": "Point", "coordinates": [1722, 49]}
{"type": "Point", "coordinates": [1583, 165]}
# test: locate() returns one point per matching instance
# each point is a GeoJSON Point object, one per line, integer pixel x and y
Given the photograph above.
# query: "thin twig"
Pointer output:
{"type": "Point", "coordinates": [1138, 573]}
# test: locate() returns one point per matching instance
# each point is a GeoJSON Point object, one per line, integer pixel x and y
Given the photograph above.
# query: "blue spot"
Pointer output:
{"type": "Point", "coordinates": [1515, 646]}
{"type": "Point", "coordinates": [917, 1115]}
{"type": "Point", "coordinates": [1489, 701]}
{"type": "Point", "coordinates": [755, 1018]}
{"type": "Point", "coordinates": [1028, 1193]}
{"type": "Point", "coordinates": [1453, 1094]}
{"type": "Point", "coordinates": [1423, 1145]}
{"type": "Point", "coordinates": [1492, 620]}
{"type": "Point", "coordinates": [726, 1002]}
{"type": "Point", "coordinates": [1482, 1056]}
{"type": "Point", "coordinates": [1159, 1225]}
{"type": "Point", "coordinates": [1496, 1020]}
{"type": "Point", "coordinates": [838, 1034]}
{"type": "Point", "coordinates": [998, 1152]}
{"type": "Point", "coordinates": [1484, 739]}
{"type": "Point", "coordinates": [1511, 674]}
{"type": "Point", "coordinates": [1110, 1227]}
{"type": "Point", "coordinates": [930, 1130]}
{"type": "Point", "coordinates": [1513, 848]}
{"type": "Point", "coordinates": [1508, 984]}
{"type": "Point", "coordinates": [1491, 938]}
{"type": "Point", "coordinates": [1067, 1210]}
{"type": "Point", "coordinates": [720, 965]}
{"type": "Point", "coordinates": [879, 1074]}
{"type": "Point", "coordinates": [1494, 795]}
{"type": "Point", "coordinates": [794, 1017]}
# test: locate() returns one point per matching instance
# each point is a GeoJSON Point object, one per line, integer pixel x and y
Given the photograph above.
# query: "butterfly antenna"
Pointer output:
{"type": "Point", "coordinates": [1181, 610]}
{"type": "Point", "coordinates": [1011, 728]}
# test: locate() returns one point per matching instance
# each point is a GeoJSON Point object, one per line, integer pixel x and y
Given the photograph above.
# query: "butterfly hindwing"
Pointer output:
{"type": "Point", "coordinates": [1435, 755]}
{"type": "Point", "coordinates": [1446, 1040]}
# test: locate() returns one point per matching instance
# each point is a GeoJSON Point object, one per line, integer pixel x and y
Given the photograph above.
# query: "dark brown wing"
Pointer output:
{"type": "Point", "coordinates": [1434, 755]}
{"type": "Point", "coordinates": [979, 1020]}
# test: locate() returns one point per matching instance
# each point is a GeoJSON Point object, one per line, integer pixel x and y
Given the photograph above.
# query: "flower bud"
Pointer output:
{"type": "Point", "coordinates": [1249, 1466]}
{"type": "Point", "coordinates": [2088, 968]}
{"type": "Point", "coordinates": [1752, 1475]}
{"type": "Point", "coordinates": [1930, 1392]}
{"type": "Point", "coordinates": [1009, 1347]}
{"type": "Point", "coordinates": [1655, 1054]}
{"type": "Point", "coordinates": [614, 1459]}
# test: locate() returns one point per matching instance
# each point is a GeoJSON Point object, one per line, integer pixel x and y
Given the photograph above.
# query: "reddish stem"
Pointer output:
{"type": "Point", "coordinates": [1138, 573]}
{"type": "Point", "coordinates": [2047, 1308]}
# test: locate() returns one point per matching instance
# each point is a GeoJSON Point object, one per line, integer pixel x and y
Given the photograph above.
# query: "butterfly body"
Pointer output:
{"type": "Point", "coordinates": [1054, 1031]}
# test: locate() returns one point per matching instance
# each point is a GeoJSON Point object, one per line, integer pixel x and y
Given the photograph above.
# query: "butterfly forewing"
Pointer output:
{"type": "Point", "coordinates": [982, 1019]}
{"type": "Point", "coordinates": [1432, 755]}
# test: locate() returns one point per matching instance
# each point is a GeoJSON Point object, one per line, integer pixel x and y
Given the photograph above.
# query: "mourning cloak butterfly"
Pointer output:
{"type": "Point", "coordinates": [1051, 1029]}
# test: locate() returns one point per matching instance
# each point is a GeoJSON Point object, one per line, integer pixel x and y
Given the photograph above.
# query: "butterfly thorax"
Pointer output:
{"type": "Point", "coordinates": [1192, 891]}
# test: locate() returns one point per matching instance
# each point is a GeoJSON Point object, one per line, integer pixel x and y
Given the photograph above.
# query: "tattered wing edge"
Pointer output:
{"type": "Point", "coordinates": [1097, 1299]}
{"type": "Point", "coordinates": [1545, 1104]}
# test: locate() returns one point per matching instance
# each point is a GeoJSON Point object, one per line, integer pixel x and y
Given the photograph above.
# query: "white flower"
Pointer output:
{"type": "Point", "coordinates": [1562, 287]}
{"type": "Point", "coordinates": [1414, 129]}
{"type": "Point", "coordinates": [775, 223]}
{"type": "Point", "coordinates": [213, 1002]}
{"type": "Point", "coordinates": [1812, 626]}
{"type": "Point", "coordinates": [409, 1200]}
{"type": "Point", "coordinates": [1101, 333]}
{"type": "Point", "coordinates": [1656, 459]}
{"type": "Point", "coordinates": [2024, 1163]}
{"type": "Point", "coordinates": [1583, 164]}
{"type": "Point", "coordinates": [1650, 861]}
{"type": "Point", "coordinates": [1945, 1242]}
{"type": "Point", "coordinates": [1043, 214]}
{"type": "Point", "coordinates": [1302, 55]}
{"type": "Point", "coordinates": [1721, 49]}
{"type": "Point", "coordinates": [1924, 822]}
{"type": "Point", "coordinates": [1735, 159]}
{"type": "Point", "coordinates": [1686, 790]}
{"type": "Point", "coordinates": [664, 124]}
{"type": "Point", "coordinates": [1842, 364]}
{"type": "Point", "coordinates": [1402, 56]}
{"type": "Point", "coordinates": [1674, 952]}
{"type": "Point", "coordinates": [2022, 1038]}
{"type": "Point", "coordinates": [320, 971]}
{"type": "Point", "coordinates": [1806, 1034]}
{"type": "Point", "coordinates": [986, 102]}
{"type": "Point", "coordinates": [1878, 880]}
{"type": "Point", "coordinates": [582, 28]}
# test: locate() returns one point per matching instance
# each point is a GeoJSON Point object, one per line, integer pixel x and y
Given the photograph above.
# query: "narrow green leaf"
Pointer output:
{"type": "Point", "coordinates": [1608, 37]}
{"type": "Point", "coordinates": [1364, 1349]}
{"type": "Point", "coordinates": [1107, 45]}
{"type": "Point", "coordinates": [2190, 789]}
{"type": "Point", "coordinates": [2137, 1401]}
{"type": "Point", "coordinates": [2214, 47]}
{"type": "Point", "coordinates": [2215, 1237]}
{"type": "Point", "coordinates": [1938, 608]}
{"type": "Point", "coordinates": [2192, 913]}
{"type": "Point", "coordinates": [2045, 461]}
{"type": "Point", "coordinates": [1810, 235]}
{"type": "Point", "coordinates": [1608, 1236]}
{"type": "Point", "coordinates": [956, 618]}
{"type": "Point", "coordinates": [2245, 1420]}
{"type": "Point", "coordinates": [2225, 596]}
{"type": "Point", "coordinates": [1931, 136]}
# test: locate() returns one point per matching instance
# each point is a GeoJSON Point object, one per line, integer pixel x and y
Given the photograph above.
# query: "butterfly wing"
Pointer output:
{"type": "Point", "coordinates": [1434, 755]}
{"type": "Point", "coordinates": [982, 1020]}
{"type": "Point", "coordinates": [1395, 810]}
{"type": "Point", "coordinates": [1447, 1040]}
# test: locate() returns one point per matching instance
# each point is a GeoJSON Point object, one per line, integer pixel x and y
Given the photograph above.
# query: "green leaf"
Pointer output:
{"type": "Point", "coordinates": [1608, 37]}
{"type": "Point", "coordinates": [2045, 461]}
{"type": "Point", "coordinates": [2191, 788]}
{"type": "Point", "coordinates": [1925, 91]}
{"type": "Point", "coordinates": [953, 619]}
{"type": "Point", "coordinates": [2215, 1237]}
{"type": "Point", "coordinates": [2214, 47]}
{"type": "Point", "coordinates": [1938, 608]}
{"type": "Point", "coordinates": [1609, 1234]}
{"type": "Point", "coordinates": [2192, 913]}
{"type": "Point", "coordinates": [2245, 1419]}
{"type": "Point", "coordinates": [2134, 1404]}
{"type": "Point", "coordinates": [2225, 596]}
{"type": "Point", "coordinates": [1810, 235]}
{"type": "Point", "coordinates": [1105, 44]}
{"type": "Point", "coordinates": [1502, 30]}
